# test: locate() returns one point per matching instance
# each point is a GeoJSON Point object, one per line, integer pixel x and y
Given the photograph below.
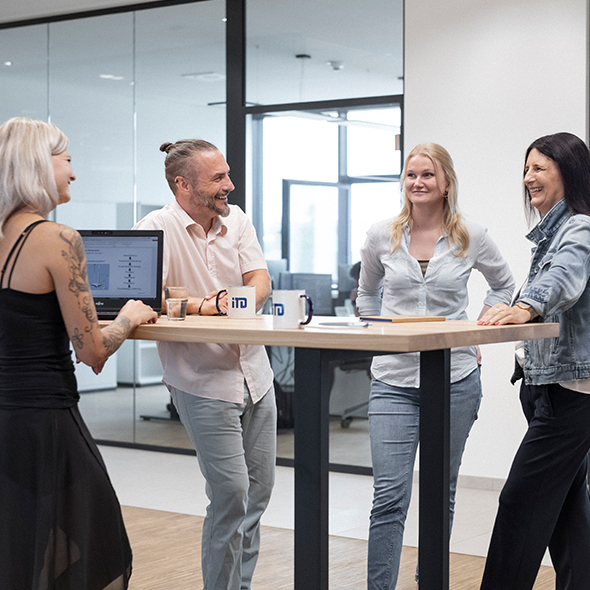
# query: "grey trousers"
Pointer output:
{"type": "Point", "coordinates": [236, 449]}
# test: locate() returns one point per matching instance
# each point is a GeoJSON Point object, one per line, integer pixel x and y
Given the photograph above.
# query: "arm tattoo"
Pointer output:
{"type": "Point", "coordinates": [78, 282]}
{"type": "Point", "coordinates": [112, 336]}
{"type": "Point", "coordinates": [77, 338]}
{"type": "Point", "coordinates": [117, 332]}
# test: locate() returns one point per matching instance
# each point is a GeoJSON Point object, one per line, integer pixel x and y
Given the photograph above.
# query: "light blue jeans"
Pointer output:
{"type": "Point", "coordinates": [236, 449]}
{"type": "Point", "coordinates": [394, 416]}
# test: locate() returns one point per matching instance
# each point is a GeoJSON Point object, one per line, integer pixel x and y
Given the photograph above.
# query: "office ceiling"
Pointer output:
{"type": "Point", "coordinates": [354, 48]}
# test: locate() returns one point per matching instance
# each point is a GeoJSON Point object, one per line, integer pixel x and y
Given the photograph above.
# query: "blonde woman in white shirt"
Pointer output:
{"type": "Point", "coordinates": [419, 264]}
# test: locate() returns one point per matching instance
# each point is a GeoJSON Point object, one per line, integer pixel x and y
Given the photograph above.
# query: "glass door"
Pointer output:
{"type": "Point", "coordinates": [321, 178]}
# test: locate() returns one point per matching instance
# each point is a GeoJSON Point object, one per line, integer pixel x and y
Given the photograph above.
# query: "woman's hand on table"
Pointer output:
{"type": "Point", "coordinates": [501, 314]}
{"type": "Point", "coordinates": [138, 312]}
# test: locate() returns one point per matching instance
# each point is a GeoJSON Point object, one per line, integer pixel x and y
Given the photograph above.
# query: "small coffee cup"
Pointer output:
{"type": "Point", "coordinates": [288, 309]}
{"type": "Point", "coordinates": [176, 302]}
{"type": "Point", "coordinates": [176, 309]}
{"type": "Point", "coordinates": [175, 293]}
{"type": "Point", "coordinates": [241, 302]}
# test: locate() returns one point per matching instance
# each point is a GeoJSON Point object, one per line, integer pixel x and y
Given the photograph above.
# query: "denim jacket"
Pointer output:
{"type": "Point", "coordinates": [558, 290]}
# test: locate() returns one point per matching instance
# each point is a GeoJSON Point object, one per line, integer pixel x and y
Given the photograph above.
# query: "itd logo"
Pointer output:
{"type": "Point", "coordinates": [279, 309]}
{"type": "Point", "coordinates": [239, 302]}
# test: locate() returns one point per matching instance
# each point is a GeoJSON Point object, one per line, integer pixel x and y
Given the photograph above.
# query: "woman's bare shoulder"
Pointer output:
{"type": "Point", "coordinates": [59, 234]}
{"type": "Point", "coordinates": [55, 243]}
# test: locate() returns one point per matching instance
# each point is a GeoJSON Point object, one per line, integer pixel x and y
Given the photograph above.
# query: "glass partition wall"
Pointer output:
{"type": "Point", "coordinates": [306, 101]}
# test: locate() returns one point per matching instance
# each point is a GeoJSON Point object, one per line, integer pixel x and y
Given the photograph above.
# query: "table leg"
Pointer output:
{"type": "Point", "coordinates": [434, 469]}
{"type": "Point", "coordinates": [311, 410]}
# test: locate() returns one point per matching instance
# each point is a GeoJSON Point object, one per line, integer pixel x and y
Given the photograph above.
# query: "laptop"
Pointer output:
{"type": "Point", "coordinates": [123, 265]}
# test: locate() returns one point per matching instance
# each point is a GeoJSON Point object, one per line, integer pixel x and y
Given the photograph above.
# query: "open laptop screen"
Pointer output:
{"type": "Point", "coordinates": [122, 265]}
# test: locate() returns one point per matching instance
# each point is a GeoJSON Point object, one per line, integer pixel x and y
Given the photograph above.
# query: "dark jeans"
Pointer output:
{"type": "Point", "coordinates": [545, 500]}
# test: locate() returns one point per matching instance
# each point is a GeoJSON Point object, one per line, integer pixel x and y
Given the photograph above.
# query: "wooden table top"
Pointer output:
{"type": "Point", "coordinates": [378, 336]}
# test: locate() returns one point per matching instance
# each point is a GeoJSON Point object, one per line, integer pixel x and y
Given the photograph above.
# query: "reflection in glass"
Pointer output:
{"type": "Point", "coordinates": [370, 203]}
{"type": "Point", "coordinates": [373, 145]}
{"type": "Point", "coordinates": [180, 94]}
{"type": "Point", "coordinates": [314, 223]}
{"type": "Point", "coordinates": [119, 86]}
{"type": "Point", "coordinates": [308, 50]}
{"type": "Point", "coordinates": [303, 147]}
{"type": "Point", "coordinates": [354, 150]}
{"type": "Point", "coordinates": [91, 100]}
{"type": "Point", "coordinates": [23, 73]}
{"type": "Point", "coordinates": [122, 84]}
{"type": "Point", "coordinates": [90, 80]}
{"type": "Point", "coordinates": [337, 172]}
{"type": "Point", "coordinates": [179, 89]}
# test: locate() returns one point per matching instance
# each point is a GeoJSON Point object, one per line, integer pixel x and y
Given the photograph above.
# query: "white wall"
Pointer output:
{"type": "Point", "coordinates": [484, 79]}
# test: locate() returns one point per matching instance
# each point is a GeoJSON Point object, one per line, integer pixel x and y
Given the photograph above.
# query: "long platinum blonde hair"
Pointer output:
{"type": "Point", "coordinates": [453, 226]}
{"type": "Point", "coordinates": [27, 178]}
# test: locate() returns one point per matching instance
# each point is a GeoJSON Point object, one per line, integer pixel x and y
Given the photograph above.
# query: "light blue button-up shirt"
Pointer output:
{"type": "Point", "coordinates": [393, 284]}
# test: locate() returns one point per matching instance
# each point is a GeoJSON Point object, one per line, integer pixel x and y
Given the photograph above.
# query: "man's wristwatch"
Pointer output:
{"type": "Point", "coordinates": [528, 308]}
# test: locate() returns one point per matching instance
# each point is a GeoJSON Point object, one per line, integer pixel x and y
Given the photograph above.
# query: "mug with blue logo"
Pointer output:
{"type": "Point", "coordinates": [241, 302]}
{"type": "Point", "coordinates": [289, 309]}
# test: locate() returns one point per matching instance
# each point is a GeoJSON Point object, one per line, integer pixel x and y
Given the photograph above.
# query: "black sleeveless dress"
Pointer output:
{"type": "Point", "coordinates": [60, 522]}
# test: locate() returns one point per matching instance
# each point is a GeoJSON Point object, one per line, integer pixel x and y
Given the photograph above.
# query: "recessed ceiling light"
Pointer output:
{"type": "Point", "coordinates": [335, 65]}
{"type": "Point", "coordinates": [204, 76]}
{"type": "Point", "coordinates": [110, 77]}
{"type": "Point", "coordinates": [7, 63]}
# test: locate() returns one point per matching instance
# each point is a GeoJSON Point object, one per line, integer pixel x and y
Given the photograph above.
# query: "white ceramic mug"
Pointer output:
{"type": "Point", "coordinates": [241, 302]}
{"type": "Point", "coordinates": [288, 309]}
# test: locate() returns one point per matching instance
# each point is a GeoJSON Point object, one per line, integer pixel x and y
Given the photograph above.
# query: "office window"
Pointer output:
{"type": "Point", "coordinates": [309, 51]}
{"type": "Point", "coordinates": [179, 87]}
{"type": "Point", "coordinates": [322, 178]}
{"type": "Point", "coordinates": [373, 141]}
{"type": "Point", "coordinates": [23, 72]}
{"type": "Point", "coordinates": [91, 98]}
{"type": "Point", "coordinates": [119, 86]}
{"type": "Point", "coordinates": [122, 84]}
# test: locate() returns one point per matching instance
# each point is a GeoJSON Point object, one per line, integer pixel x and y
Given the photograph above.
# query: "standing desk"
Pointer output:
{"type": "Point", "coordinates": [315, 346]}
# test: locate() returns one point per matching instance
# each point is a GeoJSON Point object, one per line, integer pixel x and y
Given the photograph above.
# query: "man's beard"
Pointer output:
{"type": "Point", "coordinates": [213, 206]}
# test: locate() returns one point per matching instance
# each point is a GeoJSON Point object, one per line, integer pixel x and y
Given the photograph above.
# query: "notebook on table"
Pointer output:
{"type": "Point", "coordinates": [123, 265]}
{"type": "Point", "coordinates": [402, 319]}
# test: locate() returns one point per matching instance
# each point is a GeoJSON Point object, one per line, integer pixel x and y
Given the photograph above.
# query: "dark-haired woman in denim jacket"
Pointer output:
{"type": "Point", "coordinates": [545, 503]}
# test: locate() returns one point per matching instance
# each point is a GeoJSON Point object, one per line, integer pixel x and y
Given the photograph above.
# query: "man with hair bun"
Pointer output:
{"type": "Point", "coordinates": [223, 393]}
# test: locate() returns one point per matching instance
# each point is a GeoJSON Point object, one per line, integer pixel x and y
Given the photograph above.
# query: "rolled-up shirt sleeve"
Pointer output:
{"type": "Point", "coordinates": [370, 288]}
{"type": "Point", "coordinates": [496, 271]}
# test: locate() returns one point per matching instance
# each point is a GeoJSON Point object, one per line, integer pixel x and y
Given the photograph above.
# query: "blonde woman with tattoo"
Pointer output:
{"type": "Point", "coordinates": [60, 519]}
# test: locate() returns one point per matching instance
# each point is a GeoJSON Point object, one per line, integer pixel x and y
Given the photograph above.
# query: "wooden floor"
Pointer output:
{"type": "Point", "coordinates": [166, 549]}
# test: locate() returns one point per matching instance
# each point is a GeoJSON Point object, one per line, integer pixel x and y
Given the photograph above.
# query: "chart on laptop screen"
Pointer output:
{"type": "Point", "coordinates": [122, 266]}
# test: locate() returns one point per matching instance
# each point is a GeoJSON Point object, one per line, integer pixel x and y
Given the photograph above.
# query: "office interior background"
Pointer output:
{"type": "Point", "coordinates": [334, 93]}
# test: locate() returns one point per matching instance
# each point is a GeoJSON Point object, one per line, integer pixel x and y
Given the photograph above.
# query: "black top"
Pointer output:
{"type": "Point", "coordinates": [60, 521]}
{"type": "Point", "coordinates": [36, 368]}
